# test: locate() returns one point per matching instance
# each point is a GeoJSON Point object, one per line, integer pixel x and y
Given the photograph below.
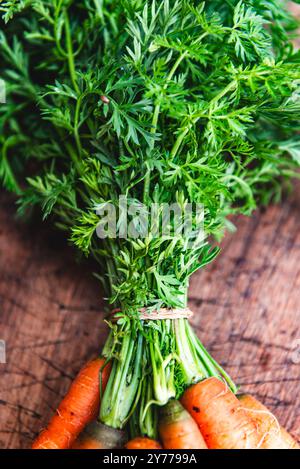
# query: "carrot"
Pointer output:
{"type": "Point", "coordinates": [77, 409]}
{"type": "Point", "coordinates": [99, 436]}
{"type": "Point", "coordinates": [224, 424]}
{"type": "Point", "coordinates": [272, 435]}
{"type": "Point", "coordinates": [178, 430]}
{"type": "Point", "coordinates": [142, 443]}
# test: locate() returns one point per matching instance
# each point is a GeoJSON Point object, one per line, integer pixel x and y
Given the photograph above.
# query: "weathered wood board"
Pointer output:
{"type": "Point", "coordinates": [247, 309]}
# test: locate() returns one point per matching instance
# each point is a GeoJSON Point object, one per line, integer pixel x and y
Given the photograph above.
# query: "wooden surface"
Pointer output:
{"type": "Point", "coordinates": [247, 306]}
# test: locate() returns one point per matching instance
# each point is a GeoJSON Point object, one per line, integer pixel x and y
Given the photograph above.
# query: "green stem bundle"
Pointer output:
{"type": "Point", "coordinates": [152, 362]}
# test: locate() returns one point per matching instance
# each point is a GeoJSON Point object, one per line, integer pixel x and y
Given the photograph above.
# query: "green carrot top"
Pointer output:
{"type": "Point", "coordinates": [136, 105]}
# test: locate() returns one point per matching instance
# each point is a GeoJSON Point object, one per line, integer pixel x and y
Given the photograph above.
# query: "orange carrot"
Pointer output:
{"type": "Point", "coordinates": [272, 435]}
{"type": "Point", "coordinates": [224, 424]}
{"type": "Point", "coordinates": [143, 443]}
{"type": "Point", "coordinates": [178, 430]}
{"type": "Point", "coordinates": [87, 443]}
{"type": "Point", "coordinates": [99, 436]}
{"type": "Point", "coordinates": [77, 409]}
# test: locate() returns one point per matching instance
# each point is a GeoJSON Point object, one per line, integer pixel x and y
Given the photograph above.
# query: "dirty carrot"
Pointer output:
{"type": "Point", "coordinates": [178, 430]}
{"type": "Point", "coordinates": [223, 422]}
{"type": "Point", "coordinates": [143, 443]}
{"type": "Point", "coordinates": [77, 409]}
{"type": "Point", "coordinates": [99, 436]}
{"type": "Point", "coordinates": [272, 435]}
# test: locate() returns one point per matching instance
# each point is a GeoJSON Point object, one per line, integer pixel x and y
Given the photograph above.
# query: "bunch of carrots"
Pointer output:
{"type": "Point", "coordinates": [119, 110]}
{"type": "Point", "coordinates": [208, 416]}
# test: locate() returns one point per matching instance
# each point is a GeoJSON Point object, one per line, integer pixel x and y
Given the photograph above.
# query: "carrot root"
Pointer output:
{"type": "Point", "coordinates": [272, 435]}
{"type": "Point", "coordinates": [177, 428]}
{"type": "Point", "coordinates": [223, 422]}
{"type": "Point", "coordinates": [79, 407]}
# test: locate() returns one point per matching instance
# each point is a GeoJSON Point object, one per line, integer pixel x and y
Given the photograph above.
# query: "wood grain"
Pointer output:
{"type": "Point", "coordinates": [246, 304]}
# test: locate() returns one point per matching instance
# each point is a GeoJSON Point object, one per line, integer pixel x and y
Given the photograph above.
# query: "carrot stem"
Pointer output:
{"type": "Point", "coordinates": [145, 423]}
{"type": "Point", "coordinates": [124, 381]}
{"type": "Point", "coordinates": [152, 362]}
{"type": "Point", "coordinates": [223, 422]}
